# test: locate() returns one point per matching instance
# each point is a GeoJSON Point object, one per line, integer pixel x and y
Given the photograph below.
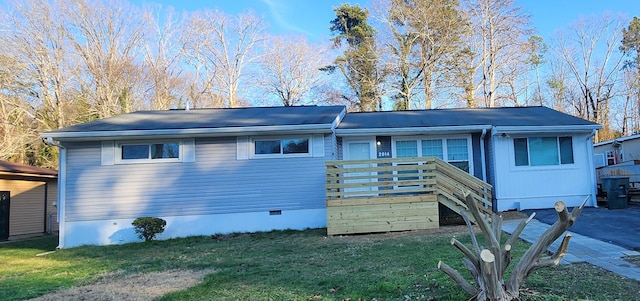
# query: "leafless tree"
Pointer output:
{"type": "Point", "coordinates": [221, 47]}
{"type": "Point", "coordinates": [106, 36]}
{"type": "Point", "coordinates": [163, 57]}
{"type": "Point", "coordinates": [589, 50]}
{"type": "Point", "coordinates": [429, 30]}
{"type": "Point", "coordinates": [628, 113]}
{"type": "Point", "coordinates": [15, 127]}
{"type": "Point", "coordinates": [290, 69]}
{"type": "Point", "coordinates": [34, 40]}
{"type": "Point", "coordinates": [498, 30]}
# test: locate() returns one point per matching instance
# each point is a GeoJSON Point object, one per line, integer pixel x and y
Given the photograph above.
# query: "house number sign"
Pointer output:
{"type": "Point", "coordinates": [383, 147]}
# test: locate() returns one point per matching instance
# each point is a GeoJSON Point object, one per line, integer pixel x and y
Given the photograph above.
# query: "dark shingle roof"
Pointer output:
{"type": "Point", "coordinates": [513, 116]}
{"type": "Point", "coordinates": [210, 118]}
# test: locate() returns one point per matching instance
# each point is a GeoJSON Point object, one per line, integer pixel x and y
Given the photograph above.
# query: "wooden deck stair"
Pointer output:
{"type": "Point", "coordinates": [382, 195]}
{"type": "Point", "coordinates": [452, 181]}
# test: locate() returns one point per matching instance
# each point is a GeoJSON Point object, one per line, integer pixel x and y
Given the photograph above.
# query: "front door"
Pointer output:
{"type": "Point", "coordinates": [5, 197]}
{"type": "Point", "coordinates": [359, 150]}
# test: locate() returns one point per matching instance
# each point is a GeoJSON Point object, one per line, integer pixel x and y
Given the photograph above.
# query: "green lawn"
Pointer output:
{"type": "Point", "coordinates": [290, 265]}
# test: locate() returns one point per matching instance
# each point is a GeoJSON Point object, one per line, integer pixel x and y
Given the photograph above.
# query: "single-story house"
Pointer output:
{"type": "Point", "coordinates": [616, 151]}
{"type": "Point", "coordinates": [28, 198]}
{"type": "Point", "coordinates": [208, 171]}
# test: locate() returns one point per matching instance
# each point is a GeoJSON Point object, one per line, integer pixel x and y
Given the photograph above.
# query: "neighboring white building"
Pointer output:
{"type": "Point", "coordinates": [617, 151]}
{"type": "Point", "coordinates": [209, 171]}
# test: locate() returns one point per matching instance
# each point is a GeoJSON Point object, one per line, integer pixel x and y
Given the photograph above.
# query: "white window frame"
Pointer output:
{"type": "Point", "coordinates": [614, 155]}
{"type": "Point", "coordinates": [418, 140]}
{"type": "Point", "coordinates": [541, 167]}
{"type": "Point", "coordinates": [445, 154]}
{"type": "Point", "coordinates": [252, 146]}
{"type": "Point", "coordinates": [118, 151]}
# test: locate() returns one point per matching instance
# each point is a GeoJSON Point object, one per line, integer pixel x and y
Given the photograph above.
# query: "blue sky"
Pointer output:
{"type": "Point", "coordinates": [311, 17]}
{"type": "Point", "coordinates": [308, 17]}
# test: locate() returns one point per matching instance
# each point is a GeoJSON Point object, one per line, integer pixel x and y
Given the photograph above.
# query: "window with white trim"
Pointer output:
{"type": "Point", "coordinates": [280, 147]}
{"type": "Point", "coordinates": [613, 157]}
{"type": "Point", "coordinates": [543, 151]}
{"type": "Point", "coordinates": [156, 151]}
{"type": "Point", "coordinates": [455, 151]}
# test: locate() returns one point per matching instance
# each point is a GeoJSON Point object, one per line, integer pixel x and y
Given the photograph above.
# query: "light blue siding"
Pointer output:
{"type": "Point", "coordinates": [216, 183]}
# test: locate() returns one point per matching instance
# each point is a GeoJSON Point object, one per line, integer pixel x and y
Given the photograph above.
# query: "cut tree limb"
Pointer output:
{"type": "Point", "coordinates": [516, 234]}
{"type": "Point", "coordinates": [557, 256]}
{"type": "Point", "coordinates": [474, 240]}
{"type": "Point", "coordinates": [472, 257]}
{"type": "Point", "coordinates": [466, 286]}
{"type": "Point", "coordinates": [529, 261]}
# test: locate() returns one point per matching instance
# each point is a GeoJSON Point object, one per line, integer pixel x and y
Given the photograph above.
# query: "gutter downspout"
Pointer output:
{"type": "Point", "coordinates": [592, 168]}
{"type": "Point", "coordinates": [494, 192]}
{"type": "Point", "coordinates": [334, 136]}
{"type": "Point", "coordinates": [483, 160]}
{"type": "Point", "coordinates": [62, 192]}
{"type": "Point", "coordinates": [482, 155]}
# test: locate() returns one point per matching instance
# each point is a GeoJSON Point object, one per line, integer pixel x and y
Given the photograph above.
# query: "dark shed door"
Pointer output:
{"type": "Point", "coordinates": [5, 197]}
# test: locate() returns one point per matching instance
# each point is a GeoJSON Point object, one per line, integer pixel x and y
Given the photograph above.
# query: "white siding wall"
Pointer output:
{"type": "Point", "coordinates": [102, 200]}
{"type": "Point", "coordinates": [631, 150]}
{"type": "Point", "coordinates": [540, 187]}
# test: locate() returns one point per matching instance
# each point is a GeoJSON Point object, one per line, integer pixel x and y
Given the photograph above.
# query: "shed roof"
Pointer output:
{"type": "Point", "coordinates": [206, 122]}
{"type": "Point", "coordinates": [621, 139]}
{"type": "Point", "coordinates": [19, 169]}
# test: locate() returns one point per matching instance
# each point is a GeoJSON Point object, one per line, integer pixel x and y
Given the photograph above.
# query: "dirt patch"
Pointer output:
{"type": "Point", "coordinates": [146, 286]}
{"type": "Point", "coordinates": [511, 215]}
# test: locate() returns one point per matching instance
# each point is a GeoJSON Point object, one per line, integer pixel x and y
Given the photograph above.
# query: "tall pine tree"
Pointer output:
{"type": "Point", "coordinates": [359, 61]}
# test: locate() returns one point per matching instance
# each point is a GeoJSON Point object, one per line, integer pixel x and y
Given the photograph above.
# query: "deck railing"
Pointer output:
{"type": "Point", "coordinates": [360, 191]}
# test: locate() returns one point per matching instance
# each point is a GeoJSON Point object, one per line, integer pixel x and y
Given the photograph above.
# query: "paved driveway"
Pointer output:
{"type": "Point", "coordinates": [620, 226]}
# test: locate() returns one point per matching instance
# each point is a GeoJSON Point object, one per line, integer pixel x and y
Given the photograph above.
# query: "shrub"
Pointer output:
{"type": "Point", "coordinates": [149, 227]}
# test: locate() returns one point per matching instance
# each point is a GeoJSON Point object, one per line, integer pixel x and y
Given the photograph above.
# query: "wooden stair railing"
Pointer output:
{"type": "Point", "coordinates": [452, 181]}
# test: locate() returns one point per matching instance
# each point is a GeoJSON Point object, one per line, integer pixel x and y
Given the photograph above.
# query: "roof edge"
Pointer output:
{"type": "Point", "coordinates": [409, 130]}
{"type": "Point", "coordinates": [192, 132]}
{"type": "Point", "coordinates": [544, 129]}
{"type": "Point", "coordinates": [28, 175]}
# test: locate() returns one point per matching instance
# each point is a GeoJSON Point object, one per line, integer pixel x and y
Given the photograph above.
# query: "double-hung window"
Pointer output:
{"type": "Point", "coordinates": [407, 149]}
{"type": "Point", "coordinates": [543, 151]}
{"type": "Point", "coordinates": [458, 153]}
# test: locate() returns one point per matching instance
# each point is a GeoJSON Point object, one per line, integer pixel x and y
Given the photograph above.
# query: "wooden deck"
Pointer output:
{"type": "Point", "coordinates": [381, 195]}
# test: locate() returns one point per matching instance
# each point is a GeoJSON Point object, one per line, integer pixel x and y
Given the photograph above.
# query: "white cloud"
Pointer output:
{"type": "Point", "coordinates": [279, 12]}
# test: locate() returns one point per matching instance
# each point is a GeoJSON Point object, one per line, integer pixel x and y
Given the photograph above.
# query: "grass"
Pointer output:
{"type": "Point", "coordinates": [291, 265]}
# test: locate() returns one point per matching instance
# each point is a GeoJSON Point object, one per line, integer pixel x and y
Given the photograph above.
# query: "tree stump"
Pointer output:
{"type": "Point", "coordinates": [487, 265]}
